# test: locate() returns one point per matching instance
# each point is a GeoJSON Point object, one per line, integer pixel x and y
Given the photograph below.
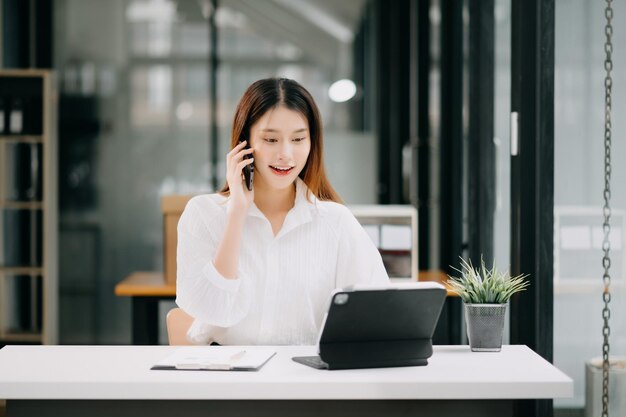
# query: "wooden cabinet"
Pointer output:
{"type": "Point", "coordinates": [172, 207]}
{"type": "Point", "coordinates": [28, 207]}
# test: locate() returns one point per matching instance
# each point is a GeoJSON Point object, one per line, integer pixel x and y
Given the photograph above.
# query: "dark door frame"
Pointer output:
{"type": "Point", "coordinates": [451, 157]}
{"type": "Point", "coordinates": [532, 180]}
{"type": "Point", "coordinates": [481, 169]}
{"type": "Point", "coordinates": [394, 65]}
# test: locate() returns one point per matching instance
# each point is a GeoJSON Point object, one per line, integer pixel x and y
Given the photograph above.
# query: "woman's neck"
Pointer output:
{"type": "Point", "coordinates": [272, 200]}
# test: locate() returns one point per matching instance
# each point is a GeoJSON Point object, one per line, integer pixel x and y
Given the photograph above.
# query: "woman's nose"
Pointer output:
{"type": "Point", "coordinates": [285, 151]}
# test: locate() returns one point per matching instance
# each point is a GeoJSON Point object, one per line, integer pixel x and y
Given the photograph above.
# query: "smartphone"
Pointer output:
{"type": "Point", "coordinates": [248, 170]}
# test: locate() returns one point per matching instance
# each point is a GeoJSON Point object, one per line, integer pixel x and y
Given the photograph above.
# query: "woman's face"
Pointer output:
{"type": "Point", "coordinates": [281, 142]}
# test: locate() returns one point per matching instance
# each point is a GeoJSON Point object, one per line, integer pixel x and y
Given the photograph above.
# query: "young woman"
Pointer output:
{"type": "Point", "coordinates": [258, 266]}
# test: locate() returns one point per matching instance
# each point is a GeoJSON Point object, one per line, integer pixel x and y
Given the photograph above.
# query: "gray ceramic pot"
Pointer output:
{"type": "Point", "coordinates": [485, 324]}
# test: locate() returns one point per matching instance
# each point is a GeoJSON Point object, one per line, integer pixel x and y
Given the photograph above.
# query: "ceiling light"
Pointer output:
{"type": "Point", "coordinates": [342, 90]}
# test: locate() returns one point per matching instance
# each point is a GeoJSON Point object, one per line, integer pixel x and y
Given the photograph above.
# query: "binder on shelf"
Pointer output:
{"type": "Point", "coordinates": [10, 310]}
{"type": "Point", "coordinates": [16, 117]}
{"type": "Point", "coordinates": [22, 175]}
{"type": "Point", "coordinates": [22, 105]}
{"type": "Point", "coordinates": [22, 232]}
{"type": "Point", "coordinates": [2, 116]}
{"type": "Point", "coordinates": [23, 304]}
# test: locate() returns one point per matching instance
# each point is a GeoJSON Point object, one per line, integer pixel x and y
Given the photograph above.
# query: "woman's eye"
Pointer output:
{"type": "Point", "coordinates": [271, 140]}
{"type": "Point", "coordinates": [298, 139]}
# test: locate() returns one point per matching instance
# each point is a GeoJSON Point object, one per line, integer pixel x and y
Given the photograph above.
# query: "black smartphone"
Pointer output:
{"type": "Point", "coordinates": [248, 170]}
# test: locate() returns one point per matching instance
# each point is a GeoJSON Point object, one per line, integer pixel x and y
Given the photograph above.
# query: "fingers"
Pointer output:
{"type": "Point", "coordinates": [237, 153]}
{"type": "Point", "coordinates": [243, 163]}
{"type": "Point", "coordinates": [235, 162]}
{"type": "Point", "coordinates": [237, 148]}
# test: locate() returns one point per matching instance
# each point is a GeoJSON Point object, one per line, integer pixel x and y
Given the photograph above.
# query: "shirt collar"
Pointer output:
{"type": "Point", "coordinates": [300, 213]}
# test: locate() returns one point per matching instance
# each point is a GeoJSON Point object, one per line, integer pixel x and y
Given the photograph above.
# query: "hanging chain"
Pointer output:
{"type": "Point", "coordinates": [606, 246]}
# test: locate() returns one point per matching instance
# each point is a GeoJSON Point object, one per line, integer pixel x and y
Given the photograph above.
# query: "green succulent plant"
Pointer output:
{"type": "Point", "coordinates": [482, 285]}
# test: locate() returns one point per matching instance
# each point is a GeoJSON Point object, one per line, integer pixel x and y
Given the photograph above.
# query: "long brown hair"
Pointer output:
{"type": "Point", "coordinates": [269, 93]}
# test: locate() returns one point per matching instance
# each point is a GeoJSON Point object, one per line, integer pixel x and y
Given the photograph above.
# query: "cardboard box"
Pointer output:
{"type": "Point", "coordinates": [172, 207]}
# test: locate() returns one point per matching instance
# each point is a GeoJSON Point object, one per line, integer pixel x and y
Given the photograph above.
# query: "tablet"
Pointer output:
{"type": "Point", "coordinates": [378, 326]}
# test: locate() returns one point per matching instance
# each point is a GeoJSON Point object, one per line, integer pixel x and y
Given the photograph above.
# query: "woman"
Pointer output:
{"type": "Point", "coordinates": [257, 266]}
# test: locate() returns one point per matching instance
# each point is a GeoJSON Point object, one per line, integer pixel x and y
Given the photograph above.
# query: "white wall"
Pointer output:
{"type": "Point", "coordinates": [351, 165]}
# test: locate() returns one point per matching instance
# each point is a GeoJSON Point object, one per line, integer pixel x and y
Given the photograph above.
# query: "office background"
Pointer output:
{"type": "Point", "coordinates": [148, 88]}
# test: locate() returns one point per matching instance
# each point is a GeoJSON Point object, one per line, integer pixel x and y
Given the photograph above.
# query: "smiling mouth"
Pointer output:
{"type": "Point", "coordinates": [281, 170]}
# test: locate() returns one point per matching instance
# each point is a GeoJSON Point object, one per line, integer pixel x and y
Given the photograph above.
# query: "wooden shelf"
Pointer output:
{"type": "Point", "coordinates": [26, 72]}
{"type": "Point", "coordinates": [21, 337]}
{"type": "Point", "coordinates": [25, 205]}
{"type": "Point", "coordinates": [21, 270]}
{"type": "Point", "coordinates": [22, 139]}
{"type": "Point", "coordinates": [37, 89]}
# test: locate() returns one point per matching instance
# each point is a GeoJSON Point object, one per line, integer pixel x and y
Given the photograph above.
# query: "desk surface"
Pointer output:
{"type": "Point", "coordinates": [152, 284]}
{"type": "Point", "coordinates": [145, 284]}
{"type": "Point", "coordinates": [123, 372]}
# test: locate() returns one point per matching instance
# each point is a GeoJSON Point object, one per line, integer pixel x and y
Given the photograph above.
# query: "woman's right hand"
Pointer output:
{"type": "Point", "coordinates": [241, 198]}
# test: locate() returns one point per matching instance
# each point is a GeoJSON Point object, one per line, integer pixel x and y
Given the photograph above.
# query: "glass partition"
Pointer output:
{"type": "Point", "coordinates": [579, 181]}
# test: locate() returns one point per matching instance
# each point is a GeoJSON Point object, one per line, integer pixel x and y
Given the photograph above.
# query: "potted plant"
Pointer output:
{"type": "Point", "coordinates": [485, 293]}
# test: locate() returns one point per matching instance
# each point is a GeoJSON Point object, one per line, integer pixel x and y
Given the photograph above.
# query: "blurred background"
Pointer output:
{"type": "Point", "coordinates": [147, 91]}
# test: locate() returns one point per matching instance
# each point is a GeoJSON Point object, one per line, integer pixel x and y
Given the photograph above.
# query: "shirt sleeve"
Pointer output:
{"type": "Point", "coordinates": [201, 290]}
{"type": "Point", "coordinates": [359, 261]}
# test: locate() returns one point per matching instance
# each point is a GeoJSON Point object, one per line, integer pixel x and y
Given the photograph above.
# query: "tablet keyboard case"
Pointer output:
{"type": "Point", "coordinates": [381, 328]}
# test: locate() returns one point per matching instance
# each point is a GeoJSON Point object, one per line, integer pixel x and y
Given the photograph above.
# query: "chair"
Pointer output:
{"type": "Point", "coordinates": [178, 323]}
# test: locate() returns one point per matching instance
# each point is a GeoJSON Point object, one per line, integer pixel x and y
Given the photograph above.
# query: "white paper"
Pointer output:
{"type": "Point", "coordinates": [395, 237]}
{"type": "Point", "coordinates": [218, 357]}
{"type": "Point", "coordinates": [15, 121]}
{"type": "Point", "coordinates": [373, 231]}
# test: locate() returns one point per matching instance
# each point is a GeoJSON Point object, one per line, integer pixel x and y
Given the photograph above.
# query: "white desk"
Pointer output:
{"type": "Point", "coordinates": [117, 380]}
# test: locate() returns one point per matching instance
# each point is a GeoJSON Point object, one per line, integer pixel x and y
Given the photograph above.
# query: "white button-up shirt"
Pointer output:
{"type": "Point", "coordinates": [284, 282]}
